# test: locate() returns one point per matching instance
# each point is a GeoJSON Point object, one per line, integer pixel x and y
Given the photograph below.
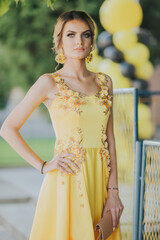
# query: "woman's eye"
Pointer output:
{"type": "Point", "coordinates": [87, 35]}
{"type": "Point", "coordinates": [70, 34]}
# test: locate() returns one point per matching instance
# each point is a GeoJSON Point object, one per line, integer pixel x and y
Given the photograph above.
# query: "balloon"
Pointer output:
{"type": "Point", "coordinates": [104, 39]}
{"type": "Point", "coordinates": [128, 70]}
{"type": "Point", "coordinates": [144, 70]}
{"type": "Point", "coordinates": [108, 66]}
{"type": "Point", "coordinates": [112, 53]}
{"type": "Point", "coordinates": [144, 112]}
{"type": "Point", "coordinates": [146, 129]}
{"type": "Point", "coordinates": [137, 54]}
{"type": "Point", "coordinates": [141, 84]}
{"type": "Point", "coordinates": [120, 81]}
{"type": "Point", "coordinates": [93, 65]}
{"type": "Point", "coordinates": [147, 99]}
{"type": "Point", "coordinates": [116, 15]}
{"type": "Point", "coordinates": [144, 36]}
{"type": "Point", "coordinates": [124, 39]}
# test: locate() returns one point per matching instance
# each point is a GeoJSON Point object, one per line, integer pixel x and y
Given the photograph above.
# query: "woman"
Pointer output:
{"type": "Point", "coordinates": [81, 182]}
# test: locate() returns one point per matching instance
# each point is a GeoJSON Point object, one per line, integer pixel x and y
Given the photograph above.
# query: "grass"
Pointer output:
{"type": "Point", "coordinates": [10, 158]}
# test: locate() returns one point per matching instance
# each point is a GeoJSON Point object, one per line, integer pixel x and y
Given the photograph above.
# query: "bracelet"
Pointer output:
{"type": "Point", "coordinates": [113, 188]}
{"type": "Point", "coordinates": [43, 166]}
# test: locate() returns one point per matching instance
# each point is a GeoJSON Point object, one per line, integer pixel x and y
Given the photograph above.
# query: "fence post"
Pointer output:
{"type": "Point", "coordinates": [142, 190]}
{"type": "Point", "coordinates": [137, 187]}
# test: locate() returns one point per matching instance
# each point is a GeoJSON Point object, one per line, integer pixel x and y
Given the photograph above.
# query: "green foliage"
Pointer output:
{"type": "Point", "coordinates": [26, 39]}
{"type": "Point", "coordinates": [4, 6]}
{"type": "Point", "coordinates": [25, 45]}
{"type": "Point", "coordinates": [151, 20]}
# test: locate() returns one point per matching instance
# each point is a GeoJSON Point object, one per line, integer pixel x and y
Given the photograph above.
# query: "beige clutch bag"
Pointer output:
{"type": "Point", "coordinates": [105, 227]}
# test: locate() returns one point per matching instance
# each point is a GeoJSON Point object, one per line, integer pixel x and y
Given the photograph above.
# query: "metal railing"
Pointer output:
{"type": "Point", "coordinates": [149, 213]}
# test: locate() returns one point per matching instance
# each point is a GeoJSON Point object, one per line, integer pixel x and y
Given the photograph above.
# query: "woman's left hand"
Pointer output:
{"type": "Point", "coordinates": [113, 204]}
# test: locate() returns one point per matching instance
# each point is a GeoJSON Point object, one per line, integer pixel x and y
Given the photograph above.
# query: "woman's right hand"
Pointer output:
{"type": "Point", "coordinates": [61, 162]}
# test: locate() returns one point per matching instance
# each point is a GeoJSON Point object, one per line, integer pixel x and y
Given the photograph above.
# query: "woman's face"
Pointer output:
{"type": "Point", "coordinates": [76, 34]}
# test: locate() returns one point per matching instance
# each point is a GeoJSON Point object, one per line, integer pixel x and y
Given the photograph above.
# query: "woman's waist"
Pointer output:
{"type": "Point", "coordinates": [75, 142]}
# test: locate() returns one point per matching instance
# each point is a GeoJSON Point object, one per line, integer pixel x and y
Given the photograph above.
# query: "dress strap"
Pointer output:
{"type": "Point", "coordinates": [60, 82]}
{"type": "Point", "coordinates": [103, 79]}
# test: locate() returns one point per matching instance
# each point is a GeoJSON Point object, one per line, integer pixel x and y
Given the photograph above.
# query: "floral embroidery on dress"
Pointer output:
{"type": "Point", "coordinates": [72, 100]}
{"type": "Point", "coordinates": [104, 97]}
{"type": "Point", "coordinates": [104, 151]}
{"type": "Point", "coordinates": [72, 144]}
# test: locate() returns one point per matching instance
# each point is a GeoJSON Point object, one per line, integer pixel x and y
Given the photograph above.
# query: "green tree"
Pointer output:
{"type": "Point", "coordinates": [151, 20]}
{"type": "Point", "coordinates": [26, 40]}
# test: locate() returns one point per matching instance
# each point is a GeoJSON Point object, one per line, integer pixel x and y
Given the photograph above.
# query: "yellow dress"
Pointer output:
{"type": "Point", "coordinates": [69, 206]}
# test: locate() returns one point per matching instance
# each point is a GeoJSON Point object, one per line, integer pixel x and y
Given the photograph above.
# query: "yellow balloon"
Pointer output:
{"type": "Point", "coordinates": [93, 65]}
{"type": "Point", "coordinates": [124, 39]}
{"type": "Point", "coordinates": [107, 66]}
{"type": "Point", "coordinates": [146, 129]}
{"type": "Point", "coordinates": [137, 54]}
{"type": "Point", "coordinates": [119, 81]}
{"type": "Point", "coordinates": [144, 70]}
{"type": "Point", "coordinates": [144, 112]}
{"type": "Point", "coordinates": [116, 15]}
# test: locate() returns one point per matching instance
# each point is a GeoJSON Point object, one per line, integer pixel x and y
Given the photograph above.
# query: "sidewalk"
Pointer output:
{"type": "Point", "coordinates": [18, 197]}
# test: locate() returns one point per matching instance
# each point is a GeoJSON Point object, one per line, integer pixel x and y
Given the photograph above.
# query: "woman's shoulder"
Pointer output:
{"type": "Point", "coordinates": [46, 80]}
{"type": "Point", "coordinates": [106, 76]}
{"type": "Point", "coordinates": [107, 80]}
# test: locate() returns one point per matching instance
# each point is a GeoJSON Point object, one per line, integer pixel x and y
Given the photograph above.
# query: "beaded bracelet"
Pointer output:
{"type": "Point", "coordinates": [43, 166]}
{"type": "Point", "coordinates": [114, 188]}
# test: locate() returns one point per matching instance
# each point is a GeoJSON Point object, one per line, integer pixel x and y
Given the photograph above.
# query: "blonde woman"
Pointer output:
{"type": "Point", "coordinates": [80, 183]}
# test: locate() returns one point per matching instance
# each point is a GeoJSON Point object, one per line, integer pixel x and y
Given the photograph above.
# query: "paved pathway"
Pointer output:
{"type": "Point", "coordinates": [18, 197]}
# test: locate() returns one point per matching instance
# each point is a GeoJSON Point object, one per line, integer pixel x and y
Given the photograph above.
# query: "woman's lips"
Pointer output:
{"type": "Point", "coordinates": [79, 49]}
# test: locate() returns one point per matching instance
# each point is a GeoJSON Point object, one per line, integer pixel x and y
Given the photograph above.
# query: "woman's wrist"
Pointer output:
{"type": "Point", "coordinates": [43, 167]}
{"type": "Point", "coordinates": [113, 190]}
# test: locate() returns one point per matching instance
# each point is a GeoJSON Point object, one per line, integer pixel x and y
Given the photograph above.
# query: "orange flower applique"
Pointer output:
{"type": "Point", "coordinates": [104, 97]}
{"type": "Point", "coordinates": [104, 151]}
{"type": "Point", "coordinates": [71, 99]}
{"type": "Point", "coordinates": [72, 144]}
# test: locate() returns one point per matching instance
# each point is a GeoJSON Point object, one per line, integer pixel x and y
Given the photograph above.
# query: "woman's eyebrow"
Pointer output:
{"type": "Point", "coordinates": [82, 32]}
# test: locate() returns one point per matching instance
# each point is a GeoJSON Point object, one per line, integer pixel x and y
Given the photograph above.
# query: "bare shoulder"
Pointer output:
{"type": "Point", "coordinates": [46, 81]}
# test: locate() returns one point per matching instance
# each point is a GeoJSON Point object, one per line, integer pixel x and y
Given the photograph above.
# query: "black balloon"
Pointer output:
{"type": "Point", "coordinates": [145, 98]}
{"type": "Point", "coordinates": [144, 36]}
{"type": "Point", "coordinates": [141, 84]}
{"type": "Point", "coordinates": [104, 39]}
{"type": "Point", "coordinates": [127, 69]}
{"type": "Point", "coordinates": [112, 53]}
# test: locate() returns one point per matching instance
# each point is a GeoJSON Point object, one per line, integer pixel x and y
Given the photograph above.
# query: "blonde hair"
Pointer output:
{"type": "Point", "coordinates": [63, 19]}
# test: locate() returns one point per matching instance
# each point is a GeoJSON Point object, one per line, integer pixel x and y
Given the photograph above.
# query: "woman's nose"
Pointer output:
{"type": "Point", "coordinates": [79, 41]}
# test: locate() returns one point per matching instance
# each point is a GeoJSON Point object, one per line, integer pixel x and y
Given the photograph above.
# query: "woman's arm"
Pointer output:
{"type": "Point", "coordinates": [113, 202]}
{"type": "Point", "coordinates": [113, 178]}
{"type": "Point", "coordinates": [18, 116]}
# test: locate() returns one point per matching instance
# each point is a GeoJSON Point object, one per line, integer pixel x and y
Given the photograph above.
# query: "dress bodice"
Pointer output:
{"type": "Point", "coordinates": [79, 120]}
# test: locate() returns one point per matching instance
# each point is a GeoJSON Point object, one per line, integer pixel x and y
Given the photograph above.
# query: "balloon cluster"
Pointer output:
{"type": "Point", "coordinates": [122, 48]}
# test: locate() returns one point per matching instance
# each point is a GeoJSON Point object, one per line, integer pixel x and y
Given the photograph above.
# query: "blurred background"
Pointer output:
{"type": "Point", "coordinates": [127, 48]}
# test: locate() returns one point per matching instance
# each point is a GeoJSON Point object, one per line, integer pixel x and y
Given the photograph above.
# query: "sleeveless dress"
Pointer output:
{"type": "Point", "coordinates": [69, 206]}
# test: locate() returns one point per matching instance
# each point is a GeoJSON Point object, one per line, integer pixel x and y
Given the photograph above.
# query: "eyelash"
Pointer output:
{"type": "Point", "coordinates": [84, 34]}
